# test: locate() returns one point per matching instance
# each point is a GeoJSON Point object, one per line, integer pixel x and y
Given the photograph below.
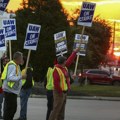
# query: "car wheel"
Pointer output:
{"type": "Point", "coordinates": [116, 83]}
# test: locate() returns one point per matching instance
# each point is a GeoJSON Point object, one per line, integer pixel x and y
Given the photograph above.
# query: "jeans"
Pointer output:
{"type": "Point", "coordinates": [24, 95]}
{"type": "Point", "coordinates": [10, 105]}
{"type": "Point", "coordinates": [1, 101]}
{"type": "Point", "coordinates": [49, 103]}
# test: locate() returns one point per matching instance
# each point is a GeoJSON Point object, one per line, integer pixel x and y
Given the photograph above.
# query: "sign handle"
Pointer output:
{"type": "Point", "coordinates": [76, 65]}
{"type": "Point", "coordinates": [28, 58]}
{"type": "Point", "coordinates": [10, 50]}
{"type": "Point", "coordinates": [61, 53]}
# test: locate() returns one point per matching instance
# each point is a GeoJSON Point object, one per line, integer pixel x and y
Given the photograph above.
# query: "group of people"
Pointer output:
{"type": "Point", "coordinates": [57, 85]}
{"type": "Point", "coordinates": [15, 79]}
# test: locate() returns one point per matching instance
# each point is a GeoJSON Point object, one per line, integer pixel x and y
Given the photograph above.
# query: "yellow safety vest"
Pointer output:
{"type": "Point", "coordinates": [0, 82]}
{"type": "Point", "coordinates": [24, 80]}
{"type": "Point", "coordinates": [63, 83]}
{"type": "Point", "coordinates": [4, 74]}
{"type": "Point", "coordinates": [50, 85]}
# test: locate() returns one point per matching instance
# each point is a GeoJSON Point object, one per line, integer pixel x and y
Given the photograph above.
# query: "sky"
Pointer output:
{"type": "Point", "coordinates": [106, 9]}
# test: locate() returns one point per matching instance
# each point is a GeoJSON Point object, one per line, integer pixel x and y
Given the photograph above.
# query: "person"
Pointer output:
{"type": "Point", "coordinates": [48, 83]}
{"type": "Point", "coordinates": [26, 90]}
{"type": "Point", "coordinates": [12, 83]}
{"type": "Point", "coordinates": [4, 61]}
{"type": "Point", "coordinates": [61, 83]}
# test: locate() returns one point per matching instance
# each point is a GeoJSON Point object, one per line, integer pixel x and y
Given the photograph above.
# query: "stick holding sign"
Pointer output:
{"type": "Point", "coordinates": [76, 65]}
{"type": "Point", "coordinates": [10, 50]}
{"type": "Point", "coordinates": [85, 19]}
{"type": "Point", "coordinates": [28, 58]}
{"type": "Point", "coordinates": [31, 41]}
{"type": "Point", "coordinates": [80, 41]}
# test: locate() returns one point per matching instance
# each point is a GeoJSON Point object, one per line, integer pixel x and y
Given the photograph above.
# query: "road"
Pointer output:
{"type": "Point", "coordinates": [76, 109]}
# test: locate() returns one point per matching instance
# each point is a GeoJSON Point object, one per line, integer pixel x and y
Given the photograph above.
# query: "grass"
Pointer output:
{"type": "Point", "coordinates": [97, 90]}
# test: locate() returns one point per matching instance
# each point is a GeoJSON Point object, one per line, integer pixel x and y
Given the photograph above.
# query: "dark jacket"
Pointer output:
{"type": "Point", "coordinates": [28, 83]}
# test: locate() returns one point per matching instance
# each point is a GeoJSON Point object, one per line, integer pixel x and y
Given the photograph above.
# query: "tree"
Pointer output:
{"type": "Point", "coordinates": [99, 41]}
{"type": "Point", "coordinates": [53, 18]}
{"type": "Point", "coordinates": [50, 15]}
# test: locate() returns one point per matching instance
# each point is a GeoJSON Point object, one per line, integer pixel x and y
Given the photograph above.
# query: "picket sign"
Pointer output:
{"type": "Point", "coordinates": [85, 19]}
{"type": "Point", "coordinates": [10, 32]}
{"type": "Point", "coordinates": [60, 43]}
{"type": "Point", "coordinates": [2, 43]}
{"type": "Point", "coordinates": [76, 65]}
{"type": "Point", "coordinates": [3, 5]}
{"type": "Point", "coordinates": [31, 41]}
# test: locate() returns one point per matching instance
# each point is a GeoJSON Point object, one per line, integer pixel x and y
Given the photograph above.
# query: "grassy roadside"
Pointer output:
{"type": "Point", "coordinates": [97, 90]}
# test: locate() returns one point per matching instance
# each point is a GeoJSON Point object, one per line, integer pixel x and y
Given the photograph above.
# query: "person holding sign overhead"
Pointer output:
{"type": "Point", "coordinates": [12, 85]}
{"type": "Point", "coordinates": [61, 83]}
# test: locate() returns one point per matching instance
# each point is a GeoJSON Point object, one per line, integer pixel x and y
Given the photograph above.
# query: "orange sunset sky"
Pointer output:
{"type": "Point", "coordinates": [107, 9]}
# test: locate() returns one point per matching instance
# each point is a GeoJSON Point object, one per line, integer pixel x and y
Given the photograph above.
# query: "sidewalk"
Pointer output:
{"type": "Point", "coordinates": [84, 97]}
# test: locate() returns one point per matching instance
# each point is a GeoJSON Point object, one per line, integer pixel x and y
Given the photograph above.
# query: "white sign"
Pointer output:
{"type": "Point", "coordinates": [81, 41]}
{"type": "Point", "coordinates": [10, 29]}
{"type": "Point", "coordinates": [32, 37]}
{"type": "Point", "coordinates": [60, 43]}
{"type": "Point", "coordinates": [86, 14]}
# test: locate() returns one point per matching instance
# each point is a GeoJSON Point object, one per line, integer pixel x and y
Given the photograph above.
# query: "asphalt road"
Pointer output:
{"type": "Point", "coordinates": [76, 109]}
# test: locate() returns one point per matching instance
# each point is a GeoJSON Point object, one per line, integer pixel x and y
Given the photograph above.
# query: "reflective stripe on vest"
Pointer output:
{"type": "Point", "coordinates": [63, 83]}
{"type": "Point", "coordinates": [50, 85]}
{"type": "Point", "coordinates": [24, 80]}
{"type": "Point", "coordinates": [4, 74]}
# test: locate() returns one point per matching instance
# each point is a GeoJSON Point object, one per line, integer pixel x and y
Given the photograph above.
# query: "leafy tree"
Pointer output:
{"type": "Point", "coordinates": [50, 15]}
{"type": "Point", "coordinates": [53, 18]}
{"type": "Point", "coordinates": [99, 40]}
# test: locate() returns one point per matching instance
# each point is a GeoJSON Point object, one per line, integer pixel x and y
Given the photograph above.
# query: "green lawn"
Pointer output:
{"type": "Point", "coordinates": [97, 90]}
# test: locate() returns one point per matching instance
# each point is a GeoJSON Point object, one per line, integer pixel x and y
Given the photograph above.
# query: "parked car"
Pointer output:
{"type": "Point", "coordinates": [96, 76]}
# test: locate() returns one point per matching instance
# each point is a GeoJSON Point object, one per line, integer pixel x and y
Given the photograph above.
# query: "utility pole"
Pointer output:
{"type": "Point", "coordinates": [113, 45]}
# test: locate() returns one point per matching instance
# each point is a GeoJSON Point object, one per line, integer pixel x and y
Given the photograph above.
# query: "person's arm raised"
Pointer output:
{"type": "Point", "coordinates": [72, 57]}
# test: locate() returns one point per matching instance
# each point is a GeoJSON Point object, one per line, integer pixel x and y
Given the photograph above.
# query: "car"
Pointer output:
{"type": "Point", "coordinates": [97, 76]}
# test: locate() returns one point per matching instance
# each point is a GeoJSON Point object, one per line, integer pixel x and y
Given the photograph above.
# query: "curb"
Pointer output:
{"type": "Point", "coordinates": [84, 97]}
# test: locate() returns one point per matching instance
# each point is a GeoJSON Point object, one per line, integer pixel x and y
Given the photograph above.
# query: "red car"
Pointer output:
{"type": "Point", "coordinates": [96, 76]}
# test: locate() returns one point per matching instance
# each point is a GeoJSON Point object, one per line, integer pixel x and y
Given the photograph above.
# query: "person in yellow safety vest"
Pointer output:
{"type": "Point", "coordinates": [4, 61]}
{"type": "Point", "coordinates": [48, 83]}
{"type": "Point", "coordinates": [61, 83]}
{"type": "Point", "coordinates": [12, 83]}
{"type": "Point", "coordinates": [26, 90]}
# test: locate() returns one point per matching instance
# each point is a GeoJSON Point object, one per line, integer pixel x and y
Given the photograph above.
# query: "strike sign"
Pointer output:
{"type": "Point", "coordinates": [2, 40]}
{"type": "Point", "coordinates": [60, 43]}
{"type": "Point", "coordinates": [32, 36]}
{"type": "Point", "coordinates": [86, 14]}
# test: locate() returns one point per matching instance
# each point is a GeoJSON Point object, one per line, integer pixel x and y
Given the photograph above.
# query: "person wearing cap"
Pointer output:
{"type": "Point", "coordinates": [12, 83]}
{"type": "Point", "coordinates": [61, 83]}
